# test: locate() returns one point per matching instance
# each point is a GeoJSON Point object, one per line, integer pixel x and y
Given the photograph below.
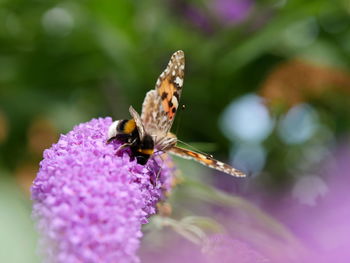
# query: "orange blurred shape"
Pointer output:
{"type": "Point", "coordinates": [3, 127]}
{"type": "Point", "coordinates": [164, 209]}
{"type": "Point", "coordinates": [41, 135]}
{"type": "Point", "coordinates": [297, 81]}
{"type": "Point", "coordinates": [25, 174]}
{"type": "Point", "coordinates": [176, 178]}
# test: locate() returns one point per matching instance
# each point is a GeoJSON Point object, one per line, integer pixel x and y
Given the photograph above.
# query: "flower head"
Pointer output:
{"type": "Point", "coordinates": [89, 202]}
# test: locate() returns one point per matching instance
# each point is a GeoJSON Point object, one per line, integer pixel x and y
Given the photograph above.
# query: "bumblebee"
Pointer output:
{"type": "Point", "coordinates": [126, 132]}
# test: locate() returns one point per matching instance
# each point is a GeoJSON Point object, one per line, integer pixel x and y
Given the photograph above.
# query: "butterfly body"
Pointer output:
{"type": "Point", "coordinates": [150, 132]}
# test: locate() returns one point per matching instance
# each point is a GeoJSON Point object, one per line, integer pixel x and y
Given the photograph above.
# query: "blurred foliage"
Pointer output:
{"type": "Point", "coordinates": [65, 62]}
{"type": "Point", "coordinates": [68, 61]}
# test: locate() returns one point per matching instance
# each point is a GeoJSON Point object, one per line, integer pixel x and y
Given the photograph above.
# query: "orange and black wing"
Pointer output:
{"type": "Point", "coordinates": [160, 105]}
{"type": "Point", "coordinates": [206, 160]}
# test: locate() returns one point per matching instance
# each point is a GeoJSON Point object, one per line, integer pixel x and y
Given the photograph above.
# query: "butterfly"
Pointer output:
{"type": "Point", "coordinates": [150, 132]}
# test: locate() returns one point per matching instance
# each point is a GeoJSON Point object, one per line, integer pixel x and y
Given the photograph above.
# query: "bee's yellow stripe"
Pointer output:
{"type": "Point", "coordinates": [146, 151]}
{"type": "Point", "coordinates": [130, 126]}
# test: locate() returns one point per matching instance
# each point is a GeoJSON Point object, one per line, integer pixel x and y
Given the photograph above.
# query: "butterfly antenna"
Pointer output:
{"type": "Point", "coordinates": [195, 149]}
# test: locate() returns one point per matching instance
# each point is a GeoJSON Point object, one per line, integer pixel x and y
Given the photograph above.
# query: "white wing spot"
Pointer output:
{"type": "Point", "coordinates": [220, 164]}
{"type": "Point", "coordinates": [179, 81]}
{"type": "Point", "coordinates": [175, 102]}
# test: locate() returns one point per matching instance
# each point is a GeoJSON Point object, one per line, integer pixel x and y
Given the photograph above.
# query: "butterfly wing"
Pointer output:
{"type": "Point", "coordinates": [160, 105]}
{"type": "Point", "coordinates": [206, 160]}
{"type": "Point", "coordinates": [138, 121]}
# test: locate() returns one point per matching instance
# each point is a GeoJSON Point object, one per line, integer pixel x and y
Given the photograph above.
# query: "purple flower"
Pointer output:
{"type": "Point", "coordinates": [223, 248]}
{"type": "Point", "coordinates": [197, 17]}
{"type": "Point", "coordinates": [316, 210]}
{"type": "Point", "coordinates": [89, 202]}
{"type": "Point", "coordinates": [233, 11]}
{"type": "Point", "coordinates": [320, 214]}
{"type": "Point", "coordinates": [228, 250]}
{"type": "Point", "coordinates": [211, 15]}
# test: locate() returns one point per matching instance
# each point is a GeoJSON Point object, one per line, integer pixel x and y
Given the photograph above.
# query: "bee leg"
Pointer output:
{"type": "Point", "coordinates": [127, 144]}
{"type": "Point", "coordinates": [110, 140]}
{"type": "Point", "coordinates": [121, 147]}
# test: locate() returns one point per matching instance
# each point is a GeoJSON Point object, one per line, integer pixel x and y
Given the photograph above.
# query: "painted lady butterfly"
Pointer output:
{"type": "Point", "coordinates": [150, 131]}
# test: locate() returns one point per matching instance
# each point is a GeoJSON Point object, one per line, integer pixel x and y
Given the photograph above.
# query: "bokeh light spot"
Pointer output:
{"type": "Point", "coordinates": [298, 125]}
{"type": "Point", "coordinates": [308, 188]}
{"type": "Point", "coordinates": [247, 119]}
{"type": "Point", "coordinates": [57, 21]}
{"type": "Point", "coordinates": [249, 157]}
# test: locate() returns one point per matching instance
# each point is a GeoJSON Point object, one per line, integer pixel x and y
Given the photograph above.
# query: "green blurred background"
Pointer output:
{"type": "Point", "coordinates": [267, 86]}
